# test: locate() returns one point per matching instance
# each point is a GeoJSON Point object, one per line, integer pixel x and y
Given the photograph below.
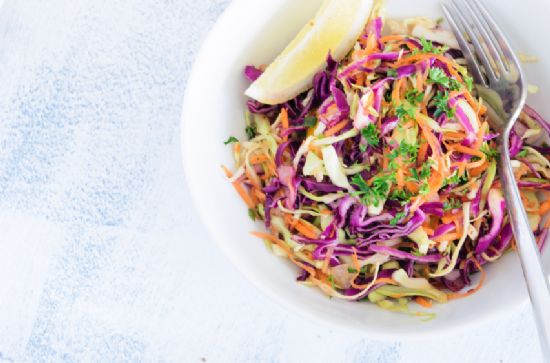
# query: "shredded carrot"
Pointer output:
{"type": "Point", "coordinates": [459, 295]}
{"type": "Point", "coordinates": [428, 229]}
{"type": "Point", "coordinates": [426, 303]}
{"type": "Point", "coordinates": [447, 237]}
{"type": "Point", "coordinates": [477, 171]}
{"type": "Point", "coordinates": [390, 38]}
{"type": "Point", "coordinates": [284, 120]}
{"type": "Point", "coordinates": [396, 90]}
{"type": "Point", "coordinates": [257, 159]}
{"type": "Point", "coordinates": [544, 207]}
{"type": "Point", "coordinates": [412, 187]}
{"type": "Point", "coordinates": [306, 229]}
{"type": "Point", "coordinates": [419, 82]}
{"type": "Point", "coordinates": [385, 280]}
{"type": "Point", "coordinates": [246, 197]}
{"type": "Point", "coordinates": [400, 178]}
{"type": "Point", "coordinates": [337, 128]}
{"type": "Point", "coordinates": [422, 57]}
{"type": "Point", "coordinates": [455, 135]}
{"type": "Point", "coordinates": [451, 218]}
{"type": "Point", "coordinates": [467, 150]}
{"type": "Point", "coordinates": [479, 137]}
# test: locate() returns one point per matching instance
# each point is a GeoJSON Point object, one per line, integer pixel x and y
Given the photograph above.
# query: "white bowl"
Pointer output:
{"type": "Point", "coordinates": [254, 32]}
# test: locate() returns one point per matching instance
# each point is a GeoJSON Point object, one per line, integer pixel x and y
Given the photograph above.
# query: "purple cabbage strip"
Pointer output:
{"type": "Point", "coordinates": [463, 119]}
{"type": "Point", "coordinates": [280, 150]}
{"type": "Point", "coordinates": [435, 208]}
{"type": "Point", "coordinates": [292, 130]}
{"type": "Point", "coordinates": [477, 200]}
{"type": "Point", "coordinates": [537, 117]}
{"type": "Point", "coordinates": [287, 177]}
{"type": "Point", "coordinates": [339, 250]}
{"type": "Point", "coordinates": [405, 255]}
{"type": "Point", "coordinates": [389, 124]}
{"type": "Point", "coordinates": [344, 206]}
{"type": "Point", "coordinates": [315, 186]}
{"type": "Point", "coordinates": [260, 108]}
{"type": "Point", "coordinates": [516, 143]}
{"type": "Point", "coordinates": [443, 229]}
{"type": "Point", "coordinates": [384, 232]}
{"type": "Point", "coordinates": [543, 237]}
{"type": "Point", "coordinates": [252, 73]}
{"type": "Point", "coordinates": [497, 207]}
{"type": "Point", "coordinates": [406, 71]}
{"type": "Point", "coordinates": [490, 137]}
{"type": "Point", "coordinates": [359, 63]}
{"type": "Point", "coordinates": [531, 167]}
{"type": "Point", "coordinates": [454, 281]}
{"type": "Point", "coordinates": [535, 185]}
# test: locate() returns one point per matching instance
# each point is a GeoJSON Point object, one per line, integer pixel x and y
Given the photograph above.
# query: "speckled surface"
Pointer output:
{"type": "Point", "coordinates": [102, 257]}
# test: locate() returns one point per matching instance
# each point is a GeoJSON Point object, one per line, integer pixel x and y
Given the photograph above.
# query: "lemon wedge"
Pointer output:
{"type": "Point", "coordinates": [335, 28]}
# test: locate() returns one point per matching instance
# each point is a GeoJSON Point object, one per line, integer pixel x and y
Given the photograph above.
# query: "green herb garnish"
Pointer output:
{"type": "Point", "coordinates": [310, 121]}
{"type": "Point", "coordinates": [441, 103]}
{"type": "Point", "coordinates": [452, 204]}
{"type": "Point", "coordinates": [489, 152]}
{"type": "Point", "coordinates": [405, 111]}
{"type": "Point", "coordinates": [231, 140]}
{"type": "Point", "coordinates": [372, 194]}
{"type": "Point", "coordinates": [399, 216]}
{"type": "Point", "coordinates": [250, 132]}
{"type": "Point", "coordinates": [414, 97]}
{"type": "Point", "coordinates": [371, 135]}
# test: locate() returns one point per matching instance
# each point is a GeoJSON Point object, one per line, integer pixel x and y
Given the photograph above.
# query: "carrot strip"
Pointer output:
{"type": "Point", "coordinates": [389, 38]}
{"type": "Point", "coordinates": [246, 197]}
{"type": "Point", "coordinates": [544, 207]}
{"type": "Point", "coordinates": [284, 118]}
{"type": "Point", "coordinates": [256, 159]}
{"type": "Point", "coordinates": [447, 237]}
{"type": "Point", "coordinates": [454, 134]}
{"type": "Point", "coordinates": [306, 229]}
{"type": "Point", "coordinates": [284, 121]}
{"type": "Point", "coordinates": [336, 128]}
{"type": "Point", "coordinates": [478, 170]}
{"type": "Point", "coordinates": [400, 178]}
{"type": "Point", "coordinates": [396, 90]}
{"type": "Point", "coordinates": [385, 280]}
{"type": "Point", "coordinates": [467, 150]}
{"type": "Point", "coordinates": [412, 187]}
{"type": "Point", "coordinates": [426, 303]}
{"type": "Point", "coordinates": [419, 81]}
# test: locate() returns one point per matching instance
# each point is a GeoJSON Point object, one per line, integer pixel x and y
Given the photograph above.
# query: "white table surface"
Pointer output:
{"type": "Point", "coordinates": [102, 257]}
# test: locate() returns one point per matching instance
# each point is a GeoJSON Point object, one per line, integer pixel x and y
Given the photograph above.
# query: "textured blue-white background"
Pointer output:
{"type": "Point", "coordinates": [102, 258]}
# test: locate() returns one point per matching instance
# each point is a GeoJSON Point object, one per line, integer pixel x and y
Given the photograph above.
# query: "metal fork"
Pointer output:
{"type": "Point", "coordinates": [501, 83]}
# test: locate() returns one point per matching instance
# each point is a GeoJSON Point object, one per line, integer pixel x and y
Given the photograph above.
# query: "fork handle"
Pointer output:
{"type": "Point", "coordinates": [535, 277]}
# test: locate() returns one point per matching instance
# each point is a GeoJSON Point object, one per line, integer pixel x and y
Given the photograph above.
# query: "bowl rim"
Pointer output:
{"type": "Point", "coordinates": [193, 83]}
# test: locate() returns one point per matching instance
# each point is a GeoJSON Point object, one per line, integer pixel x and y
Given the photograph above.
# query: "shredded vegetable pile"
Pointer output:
{"type": "Point", "coordinates": [380, 181]}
